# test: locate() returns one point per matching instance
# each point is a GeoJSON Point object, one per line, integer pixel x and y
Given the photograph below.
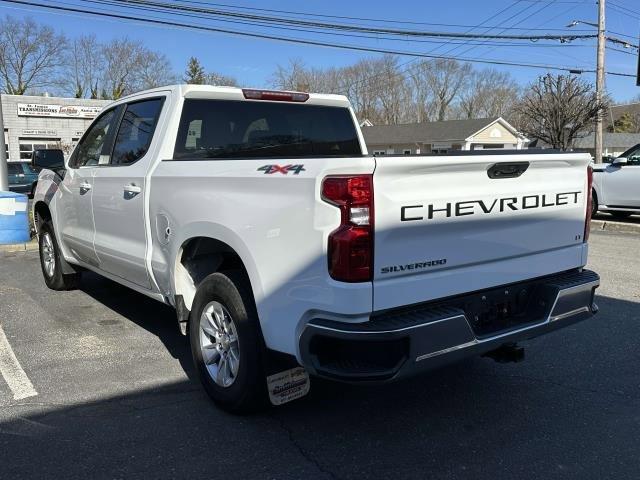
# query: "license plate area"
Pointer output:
{"type": "Point", "coordinates": [506, 308]}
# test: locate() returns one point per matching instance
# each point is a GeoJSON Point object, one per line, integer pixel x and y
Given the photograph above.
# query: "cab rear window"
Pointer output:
{"type": "Point", "coordinates": [257, 129]}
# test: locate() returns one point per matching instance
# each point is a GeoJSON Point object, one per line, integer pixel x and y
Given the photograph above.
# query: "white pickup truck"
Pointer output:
{"type": "Point", "coordinates": [287, 250]}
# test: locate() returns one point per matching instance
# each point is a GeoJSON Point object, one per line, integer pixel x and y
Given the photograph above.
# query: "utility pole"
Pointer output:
{"type": "Point", "coordinates": [600, 78]}
{"type": "Point", "coordinates": [4, 180]}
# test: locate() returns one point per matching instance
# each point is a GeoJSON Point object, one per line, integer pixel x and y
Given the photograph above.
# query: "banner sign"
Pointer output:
{"type": "Point", "coordinates": [63, 111]}
{"type": "Point", "coordinates": [39, 133]}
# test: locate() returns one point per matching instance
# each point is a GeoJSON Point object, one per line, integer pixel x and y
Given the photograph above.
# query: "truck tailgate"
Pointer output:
{"type": "Point", "coordinates": [446, 225]}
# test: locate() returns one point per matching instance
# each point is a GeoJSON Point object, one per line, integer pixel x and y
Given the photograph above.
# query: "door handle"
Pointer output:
{"type": "Point", "coordinates": [85, 187]}
{"type": "Point", "coordinates": [132, 189]}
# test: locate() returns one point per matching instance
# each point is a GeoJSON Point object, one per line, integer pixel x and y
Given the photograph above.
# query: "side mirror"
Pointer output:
{"type": "Point", "coordinates": [619, 161]}
{"type": "Point", "coordinates": [50, 158]}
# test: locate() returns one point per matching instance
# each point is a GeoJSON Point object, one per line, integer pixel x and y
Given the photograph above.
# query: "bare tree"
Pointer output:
{"type": "Point", "coordinates": [430, 90]}
{"type": "Point", "coordinates": [213, 78]}
{"type": "Point", "coordinates": [390, 88]}
{"type": "Point", "coordinates": [152, 70]}
{"type": "Point", "coordinates": [121, 57]}
{"type": "Point", "coordinates": [557, 109]}
{"type": "Point", "coordinates": [489, 93]}
{"type": "Point", "coordinates": [129, 66]}
{"type": "Point", "coordinates": [86, 66]}
{"type": "Point", "coordinates": [356, 85]}
{"type": "Point", "coordinates": [445, 78]}
{"type": "Point", "coordinates": [30, 55]}
{"type": "Point", "coordinates": [297, 76]}
{"type": "Point", "coordinates": [423, 100]}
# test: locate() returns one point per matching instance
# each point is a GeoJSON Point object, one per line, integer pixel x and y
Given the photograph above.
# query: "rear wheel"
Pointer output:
{"type": "Point", "coordinates": [51, 261]}
{"type": "Point", "coordinates": [226, 344]}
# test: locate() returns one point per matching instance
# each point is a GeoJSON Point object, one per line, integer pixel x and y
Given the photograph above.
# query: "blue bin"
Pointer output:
{"type": "Point", "coordinates": [14, 218]}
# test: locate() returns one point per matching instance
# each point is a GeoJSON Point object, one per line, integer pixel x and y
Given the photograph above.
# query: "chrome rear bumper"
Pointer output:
{"type": "Point", "coordinates": [404, 342]}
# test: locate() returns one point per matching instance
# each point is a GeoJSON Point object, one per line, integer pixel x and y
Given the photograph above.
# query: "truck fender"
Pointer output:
{"type": "Point", "coordinates": [182, 282]}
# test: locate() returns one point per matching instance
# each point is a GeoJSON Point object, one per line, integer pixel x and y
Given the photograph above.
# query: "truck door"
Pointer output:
{"type": "Point", "coordinates": [119, 194]}
{"type": "Point", "coordinates": [75, 217]}
{"type": "Point", "coordinates": [621, 182]}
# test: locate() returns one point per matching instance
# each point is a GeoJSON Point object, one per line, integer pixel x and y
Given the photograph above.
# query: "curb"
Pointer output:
{"type": "Point", "coordinates": [615, 226]}
{"type": "Point", "coordinates": [20, 247]}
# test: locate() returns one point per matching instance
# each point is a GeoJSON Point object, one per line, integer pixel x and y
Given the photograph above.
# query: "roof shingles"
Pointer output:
{"type": "Point", "coordinates": [448, 130]}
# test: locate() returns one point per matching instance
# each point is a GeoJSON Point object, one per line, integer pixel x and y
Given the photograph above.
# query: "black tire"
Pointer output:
{"type": "Point", "coordinates": [594, 203]}
{"type": "Point", "coordinates": [248, 390]}
{"type": "Point", "coordinates": [54, 277]}
{"type": "Point", "coordinates": [621, 215]}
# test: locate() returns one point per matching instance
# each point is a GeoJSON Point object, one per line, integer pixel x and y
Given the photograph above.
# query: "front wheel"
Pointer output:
{"type": "Point", "coordinates": [226, 344]}
{"type": "Point", "coordinates": [51, 261]}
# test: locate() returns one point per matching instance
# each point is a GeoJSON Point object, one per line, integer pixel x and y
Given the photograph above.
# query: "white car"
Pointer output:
{"type": "Point", "coordinates": [616, 185]}
{"type": "Point", "coordinates": [287, 250]}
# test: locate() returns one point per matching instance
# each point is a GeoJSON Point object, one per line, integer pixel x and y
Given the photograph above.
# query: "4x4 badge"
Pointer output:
{"type": "Point", "coordinates": [269, 169]}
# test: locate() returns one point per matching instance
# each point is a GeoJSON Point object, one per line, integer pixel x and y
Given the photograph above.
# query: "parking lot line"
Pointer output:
{"type": "Point", "coordinates": [12, 372]}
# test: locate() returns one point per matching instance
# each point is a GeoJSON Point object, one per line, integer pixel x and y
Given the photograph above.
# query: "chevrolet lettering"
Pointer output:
{"type": "Point", "coordinates": [472, 207]}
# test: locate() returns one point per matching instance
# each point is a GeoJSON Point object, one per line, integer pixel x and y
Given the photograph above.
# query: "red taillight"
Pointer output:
{"type": "Point", "coordinates": [274, 95]}
{"type": "Point", "coordinates": [587, 221]}
{"type": "Point", "coordinates": [351, 244]}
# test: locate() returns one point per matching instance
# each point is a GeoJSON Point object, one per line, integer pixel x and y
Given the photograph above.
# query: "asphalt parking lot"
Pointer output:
{"type": "Point", "coordinates": [116, 398]}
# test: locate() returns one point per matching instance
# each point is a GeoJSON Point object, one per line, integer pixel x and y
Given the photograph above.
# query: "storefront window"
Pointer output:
{"type": "Point", "coordinates": [28, 145]}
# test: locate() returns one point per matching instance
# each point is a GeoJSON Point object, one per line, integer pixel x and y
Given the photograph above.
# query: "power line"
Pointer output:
{"type": "Point", "coordinates": [402, 71]}
{"type": "Point", "coordinates": [502, 22]}
{"type": "Point", "coordinates": [513, 25]}
{"type": "Point", "coordinates": [332, 33]}
{"type": "Point", "coordinates": [623, 8]}
{"type": "Point", "coordinates": [163, 7]}
{"type": "Point", "coordinates": [405, 64]}
{"type": "Point", "coordinates": [405, 70]}
{"type": "Point", "coordinates": [298, 40]}
{"type": "Point", "coordinates": [621, 51]}
{"type": "Point", "coordinates": [168, 7]}
{"type": "Point", "coordinates": [365, 19]}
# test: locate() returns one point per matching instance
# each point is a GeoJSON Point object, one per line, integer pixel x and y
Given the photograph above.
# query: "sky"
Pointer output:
{"type": "Point", "coordinates": [252, 61]}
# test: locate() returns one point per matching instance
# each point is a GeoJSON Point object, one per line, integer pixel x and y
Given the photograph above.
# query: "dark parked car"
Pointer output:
{"type": "Point", "coordinates": [22, 178]}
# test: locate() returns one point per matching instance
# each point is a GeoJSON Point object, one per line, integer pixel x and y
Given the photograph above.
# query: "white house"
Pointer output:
{"type": "Point", "coordinates": [443, 137]}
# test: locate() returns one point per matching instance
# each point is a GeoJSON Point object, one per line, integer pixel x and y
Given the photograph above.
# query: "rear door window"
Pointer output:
{"type": "Point", "coordinates": [254, 129]}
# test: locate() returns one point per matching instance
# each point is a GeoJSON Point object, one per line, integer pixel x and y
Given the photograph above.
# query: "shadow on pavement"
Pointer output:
{"type": "Point", "coordinates": [607, 217]}
{"type": "Point", "coordinates": [569, 411]}
{"type": "Point", "coordinates": [153, 316]}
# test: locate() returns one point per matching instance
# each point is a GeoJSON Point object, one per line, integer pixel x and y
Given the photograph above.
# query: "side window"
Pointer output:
{"type": "Point", "coordinates": [634, 157]}
{"type": "Point", "coordinates": [13, 169]}
{"type": "Point", "coordinates": [136, 131]}
{"type": "Point", "coordinates": [90, 148]}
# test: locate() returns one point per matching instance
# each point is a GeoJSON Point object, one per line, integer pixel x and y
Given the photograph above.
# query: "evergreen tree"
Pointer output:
{"type": "Point", "coordinates": [195, 73]}
{"type": "Point", "coordinates": [626, 123]}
